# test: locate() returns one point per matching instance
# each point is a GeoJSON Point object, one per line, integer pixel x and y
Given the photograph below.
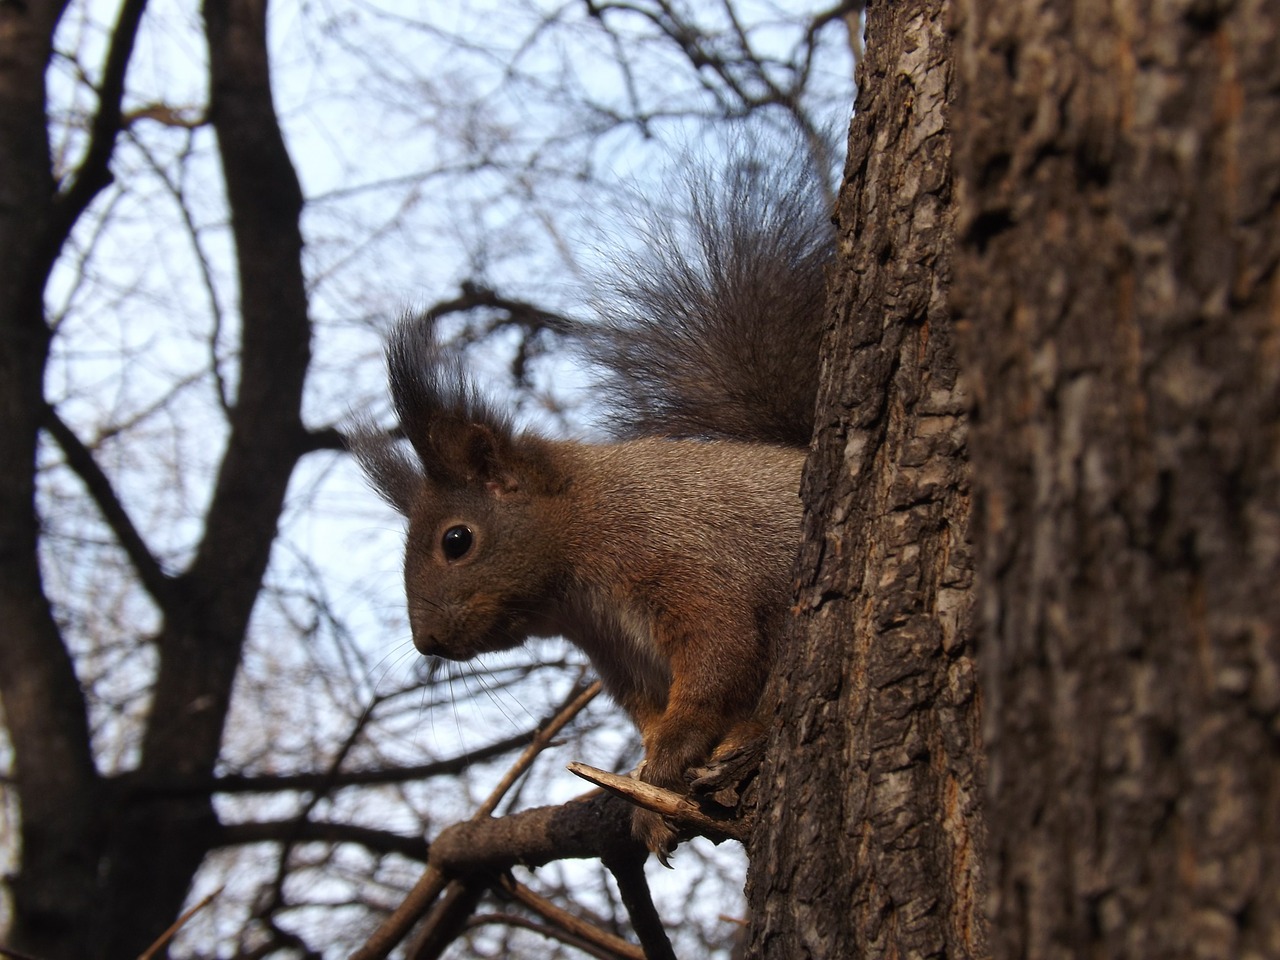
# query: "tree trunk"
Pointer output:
{"type": "Point", "coordinates": [1118, 277]}
{"type": "Point", "coordinates": [44, 712]}
{"type": "Point", "coordinates": [870, 837]}
{"type": "Point", "coordinates": [106, 863]}
{"type": "Point", "coordinates": [207, 617]}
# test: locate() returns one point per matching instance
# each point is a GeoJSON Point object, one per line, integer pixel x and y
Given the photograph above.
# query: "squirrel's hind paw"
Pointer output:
{"type": "Point", "coordinates": [653, 830]}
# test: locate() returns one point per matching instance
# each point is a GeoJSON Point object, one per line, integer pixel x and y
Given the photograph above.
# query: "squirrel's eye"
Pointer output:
{"type": "Point", "coordinates": [456, 542]}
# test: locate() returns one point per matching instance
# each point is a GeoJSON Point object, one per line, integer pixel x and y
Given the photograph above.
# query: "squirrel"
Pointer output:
{"type": "Point", "coordinates": [666, 554]}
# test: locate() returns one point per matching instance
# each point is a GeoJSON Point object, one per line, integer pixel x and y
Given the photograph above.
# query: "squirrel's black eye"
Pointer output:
{"type": "Point", "coordinates": [456, 542]}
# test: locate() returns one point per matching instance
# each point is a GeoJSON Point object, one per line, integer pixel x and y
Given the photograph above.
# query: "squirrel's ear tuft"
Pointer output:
{"type": "Point", "coordinates": [393, 473]}
{"type": "Point", "coordinates": [460, 437]}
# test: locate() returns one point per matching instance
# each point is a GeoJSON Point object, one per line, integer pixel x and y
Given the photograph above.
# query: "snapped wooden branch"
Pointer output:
{"type": "Point", "coordinates": [682, 809]}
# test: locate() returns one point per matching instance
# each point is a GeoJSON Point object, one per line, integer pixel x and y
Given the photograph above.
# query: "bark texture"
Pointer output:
{"type": "Point", "coordinates": [870, 833]}
{"type": "Point", "coordinates": [1117, 274]}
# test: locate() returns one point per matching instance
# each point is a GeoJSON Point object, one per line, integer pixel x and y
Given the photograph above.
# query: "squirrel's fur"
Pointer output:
{"type": "Point", "coordinates": [668, 561]}
{"type": "Point", "coordinates": [715, 332]}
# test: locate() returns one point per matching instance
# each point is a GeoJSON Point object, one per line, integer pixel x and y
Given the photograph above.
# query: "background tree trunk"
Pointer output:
{"type": "Point", "coordinates": [44, 711]}
{"type": "Point", "coordinates": [1117, 275]}
{"type": "Point", "coordinates": [870, 837]}
{"type": "Point", "coordinates": [207, 608]}
{"type": "Point", "coordinates": [106, 862]}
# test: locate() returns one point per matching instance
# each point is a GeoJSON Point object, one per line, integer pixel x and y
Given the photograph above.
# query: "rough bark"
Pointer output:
{"type": "Point", "coordinates": [1118, 272]}
{"type": "Point", "coordinates": [870, 832]}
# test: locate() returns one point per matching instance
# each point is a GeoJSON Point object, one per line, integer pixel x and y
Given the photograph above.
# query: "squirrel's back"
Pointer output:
{"type": "Point", "coordinates": [716, 332]}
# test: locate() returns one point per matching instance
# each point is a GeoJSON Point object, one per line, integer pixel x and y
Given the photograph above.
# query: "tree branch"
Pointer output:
{"type": "Point", "coordinates": [81, 460]}
{"type": "Point", "coordinates": [666, 802]}
{"type": "Point", "coordinates": [637, 898]}
{"type": "Point", "coordinates": [95, 172]}
{"type": "Point", "coordinates": [595, 825]}
{"type": "Point", "coordinates": [553, 932]}
{"type": "Point", "coordinates": [575, 927]}
{"type": "Point", "coordinates": [294, 830]}
{"type": "Point", "coordinates": [463, 897]}
{"type": "Point", "coordinates": [447, 919]}
{"type": "Point", "coordinates": [251, 783]}
{"type": "Point", "coordinates": [521, 313]}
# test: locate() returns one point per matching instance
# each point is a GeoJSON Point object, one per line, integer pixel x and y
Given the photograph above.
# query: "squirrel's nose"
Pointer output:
{"type": "Point", "coordinates": [426, 643]}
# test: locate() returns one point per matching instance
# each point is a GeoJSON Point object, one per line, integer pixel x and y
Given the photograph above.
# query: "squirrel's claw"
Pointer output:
{"type": "Point", "coordinates": [654, 832]}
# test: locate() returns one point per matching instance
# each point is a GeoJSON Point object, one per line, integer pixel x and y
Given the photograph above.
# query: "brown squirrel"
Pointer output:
{"type": "Point", "coordinates": [666, 556]}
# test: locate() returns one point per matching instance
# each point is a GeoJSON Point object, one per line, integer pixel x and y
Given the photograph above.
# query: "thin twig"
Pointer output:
{"type": "Point", "coordinates": [448, 918]}
{"type": "Point", "coordinates": [566, 921]}
{"type": "Point", "coordinates": [573, 706]}
{"type": "Point", "coordinates": [393, 929]}
{"type": "Point", "coordinates": [163, 940]}
{"type": "Point", "coordinates": [429, 886]}
{"type": "Point", "coordinates": [549, 931]}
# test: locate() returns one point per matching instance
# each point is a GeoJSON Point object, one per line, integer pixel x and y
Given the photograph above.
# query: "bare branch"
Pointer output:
{"type": "Point", "coordinates": [186, 118]}
{"type": "Point", "coordinates": [447, 919]}
{"type": "Point", "coordinates": [628, 871]}
{"type": "Point", "coordinates": [553, 932]}
{"type": "Point", "coordinates": [308, 831]}
{"type": "Point", "coordinates": [475, 296]}
{"type": "Point", "coordinates": [574, 704]}
{"type": "Point", "coordinates": [163, 940]}
{"type": "Point", "coordinates": [595, 825]}
{"type": "Point", "coordinates": [248, 783]}
{"type": "Point", "coordinates": [161, 587]}
{"type": "Point", "coordinates": [94, 172]}
{"type": "Point", "coordinates": [433, 881]}
{"type": "Point", "coordinates": [576, 927]}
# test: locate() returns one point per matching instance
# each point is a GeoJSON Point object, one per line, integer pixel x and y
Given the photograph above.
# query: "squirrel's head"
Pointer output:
{"type": "Point", "coordinates": [485, 506]}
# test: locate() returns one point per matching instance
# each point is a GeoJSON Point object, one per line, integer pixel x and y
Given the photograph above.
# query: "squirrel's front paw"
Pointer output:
{"type": "Point", "coordinates": [653, 830]}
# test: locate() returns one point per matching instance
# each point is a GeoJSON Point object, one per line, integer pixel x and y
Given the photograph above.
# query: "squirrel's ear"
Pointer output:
{"type": "Point", "coordinates": [467, 452]}
{"type": "Point", "coordinates": [460, 437]}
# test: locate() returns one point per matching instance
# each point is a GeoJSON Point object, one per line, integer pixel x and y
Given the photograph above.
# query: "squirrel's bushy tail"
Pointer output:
{"type": "Point", "coordinates": [714, 330]}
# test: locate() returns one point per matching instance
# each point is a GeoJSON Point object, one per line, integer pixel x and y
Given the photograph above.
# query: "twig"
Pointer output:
{"type": "Point", "coordinates": [429, 886]}
{"type": "Point", "coordinates": [447, 919]}
{"type": "Point", "coordinates": [574, 926]}
{"type": "Point", "coordinates": [665, 802]}
{"type": "Point", "coordinates": [540, 742]}
{"type": "Point", "coordinates": [163, 940]}
{"type": "Point", "coordinates": [546, 930]}
{"type": "Point", "coordinates": [393, 929]}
